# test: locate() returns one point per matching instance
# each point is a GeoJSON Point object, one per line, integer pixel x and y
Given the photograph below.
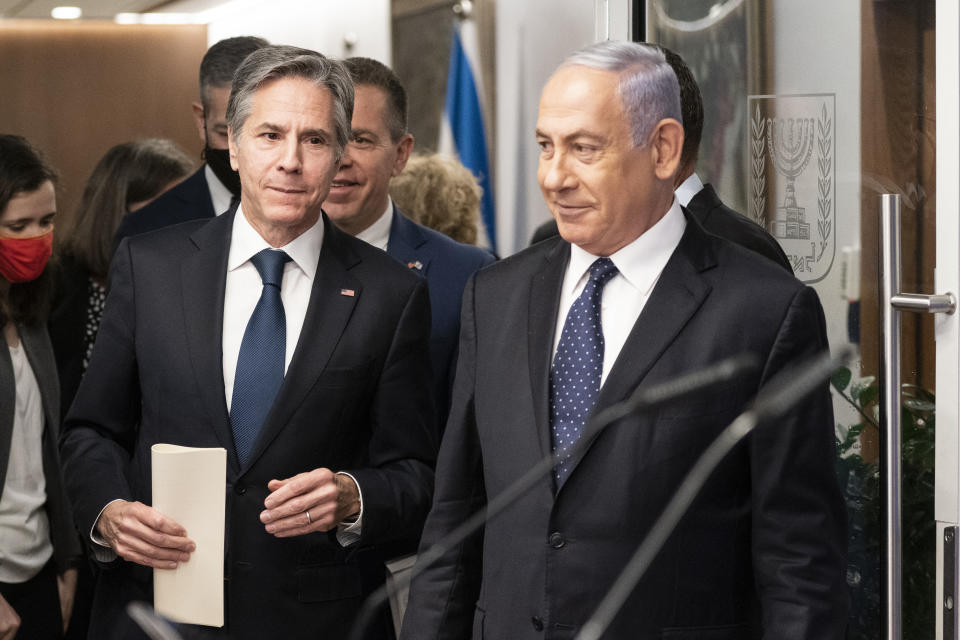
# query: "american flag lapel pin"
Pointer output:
{"type": "Point", "coordinates": [415, 265]}
{"type": "Point", "coordinates": [348, 292]}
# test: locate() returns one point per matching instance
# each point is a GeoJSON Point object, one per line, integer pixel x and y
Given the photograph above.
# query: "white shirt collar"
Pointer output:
{"type": "Point", "coordinates": [220, 196]}
{"type": "Point", "coordinates": [689, 188]}
{"type": "Point", "coordinates": [378, 234]}
{"type": "Point", "coordinates": [245, 242]}
{"type": "Point", "coordinates": [641, 261]}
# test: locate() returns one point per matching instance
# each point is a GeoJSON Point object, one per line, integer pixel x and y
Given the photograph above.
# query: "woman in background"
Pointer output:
{"type": "Point", "coordinates": [128, 177]}
{"type": "Point", "coordinates": [439, 192]}
{"type": "Point", "coordinates": [39, 548]}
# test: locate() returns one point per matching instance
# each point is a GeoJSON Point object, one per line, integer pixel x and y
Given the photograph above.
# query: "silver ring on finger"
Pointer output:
{"type": "Point", "coordinates": [309, 519]}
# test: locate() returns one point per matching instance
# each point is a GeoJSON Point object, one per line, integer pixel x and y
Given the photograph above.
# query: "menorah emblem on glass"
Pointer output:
{"type": "Point", "coordinates": [790, 142]}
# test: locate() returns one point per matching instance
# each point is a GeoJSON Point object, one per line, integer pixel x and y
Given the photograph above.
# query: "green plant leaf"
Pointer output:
{"type": "Point", "coordinates": [867, 395]}
{"type": "Point", "coordinates": [841, 378]}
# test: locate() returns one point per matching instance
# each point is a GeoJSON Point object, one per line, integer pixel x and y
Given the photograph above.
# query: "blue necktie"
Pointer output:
{"type": "Point", "coordinates": [260, 364]}
{"type": "Point", "coordinates": [578, 365]}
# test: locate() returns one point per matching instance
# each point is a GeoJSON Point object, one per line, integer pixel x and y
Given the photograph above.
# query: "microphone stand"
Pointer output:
{"type": "Point", "coordinates": [783, 392]}
{"type": "Point", "coordinates": [641, 398]}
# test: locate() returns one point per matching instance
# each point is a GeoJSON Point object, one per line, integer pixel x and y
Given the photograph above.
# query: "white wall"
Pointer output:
{"type": "Point", "coordinates": [533, 37]}
{"type": "Point", "coordinates": [322, 25]}
{"type": "Point", "coordinates": [813, 55]}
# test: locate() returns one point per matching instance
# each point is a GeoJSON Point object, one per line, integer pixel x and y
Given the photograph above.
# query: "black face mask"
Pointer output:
{"type": "Point", "coordinates": [219, 161]}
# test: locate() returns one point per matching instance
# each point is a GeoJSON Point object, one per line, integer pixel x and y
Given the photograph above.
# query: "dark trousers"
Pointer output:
{"type": "Point", "coordinates": [37, 602]}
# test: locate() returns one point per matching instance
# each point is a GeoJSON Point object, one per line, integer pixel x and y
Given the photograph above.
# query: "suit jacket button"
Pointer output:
{"type": "Point", "coordinates": [556, 540]}
{"type": "Point", "coordinates": [537, 623]}
{"type": "Point", "coordinates": [239, 489]}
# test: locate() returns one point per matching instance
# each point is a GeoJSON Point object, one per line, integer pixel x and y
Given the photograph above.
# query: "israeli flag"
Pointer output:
{"type": "Point", "coordinates": [462, 133]}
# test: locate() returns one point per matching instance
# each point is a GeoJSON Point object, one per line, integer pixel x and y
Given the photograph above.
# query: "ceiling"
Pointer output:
{"type": "Point", "coordinates": [95, 9]}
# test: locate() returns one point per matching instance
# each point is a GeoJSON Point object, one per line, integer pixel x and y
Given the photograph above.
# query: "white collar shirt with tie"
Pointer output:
{"type": "Point", "coordinates": [640, 264]}
{"type": "Point", "coordinates": [244, 285]}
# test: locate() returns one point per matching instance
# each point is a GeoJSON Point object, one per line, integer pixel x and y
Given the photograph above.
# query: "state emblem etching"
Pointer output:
{"type": "Point", "coordinates": [793, 177]}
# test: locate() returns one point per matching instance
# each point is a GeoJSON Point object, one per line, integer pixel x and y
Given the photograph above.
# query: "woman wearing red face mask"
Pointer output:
{"type": "Point", "coordinates": [38, 546]}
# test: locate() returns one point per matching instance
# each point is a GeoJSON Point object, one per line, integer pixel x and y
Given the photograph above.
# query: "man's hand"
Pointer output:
{"type": "Point", "coordinates": [9, 620]}
{"type": "Point", "coordinates": [329, 498]}
{"type": "Point", "coordinates": [142, 534]}
{"type": "Point", "coordinates": [66, 589]}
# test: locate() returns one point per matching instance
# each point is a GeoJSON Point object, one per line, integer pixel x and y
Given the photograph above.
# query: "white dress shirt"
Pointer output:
{"type": "Point", "coordinates": [688, 188]}
{"type": "Point", "coordinates": [378, 234]}
{"type": "Point", "coordinates": [640, 264]}
{"type": "Point", "coordinates": [220, 196]}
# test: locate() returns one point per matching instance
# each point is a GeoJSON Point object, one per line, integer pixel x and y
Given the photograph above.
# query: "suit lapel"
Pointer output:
{"type": "Point", "coordinates": [407, 243]}
{"type": "Point", "coordinates": [195, 192]}
{"type": "Point", "coordinates": [678, 295]}
{"type": "Point", "coordinates": [36, 344]}
{"type": "Point", "coordinates": [703, 203]}
{"type": "Point", "coordinates": [328, 313]}
{"type": "Point", "coordinates": [203, 276]}
{"type": "Point", "coordinates": [541, 328]}
{"type": "Point", "coordinates": [8, 398]}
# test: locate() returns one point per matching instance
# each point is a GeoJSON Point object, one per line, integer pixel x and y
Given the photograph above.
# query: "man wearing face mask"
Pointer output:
{"type": "Point", "coordinates": [212, 189]}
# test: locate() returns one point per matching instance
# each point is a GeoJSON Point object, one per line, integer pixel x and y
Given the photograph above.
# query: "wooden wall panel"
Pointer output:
{"type": "Point", "coordinates": [77, 89]}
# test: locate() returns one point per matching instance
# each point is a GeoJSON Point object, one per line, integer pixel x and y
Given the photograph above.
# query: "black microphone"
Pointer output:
{"type": "Point", "coordinates": [782, 393]}
{"type": "Point", "coordinates": [642, 398]}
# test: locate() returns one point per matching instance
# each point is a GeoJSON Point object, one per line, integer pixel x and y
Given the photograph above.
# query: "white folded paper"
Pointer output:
{"type": "Point", "coordinates": [189, 486]}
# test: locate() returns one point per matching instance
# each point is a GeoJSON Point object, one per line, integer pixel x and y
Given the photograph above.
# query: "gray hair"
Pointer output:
{"type": "Point", "coordinates": [648, 86]}
{"type": "Point", "coordinates": [274, 62]}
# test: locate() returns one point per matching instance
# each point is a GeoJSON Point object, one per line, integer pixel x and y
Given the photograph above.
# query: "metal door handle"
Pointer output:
{"type": "Point", "coordinates": [892, 301]}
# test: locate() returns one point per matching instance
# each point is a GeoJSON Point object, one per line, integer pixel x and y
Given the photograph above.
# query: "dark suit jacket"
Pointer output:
{"type": "Point", "coordinates": [353, 399]}
{"type": "Point", "coordinates": [761, 549]}
{"type": "Point", "coordinates": [66, 546]}
{"type": "Point", "coordinates": [446, 264]}
{"type": "Point", "coordinates": [189, 200]}
{"type": "Point", "coordinates": [718, 219]}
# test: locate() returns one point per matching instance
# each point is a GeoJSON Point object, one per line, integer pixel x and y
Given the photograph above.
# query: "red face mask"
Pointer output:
{"type": "Point", "coordinates": [23, 259]}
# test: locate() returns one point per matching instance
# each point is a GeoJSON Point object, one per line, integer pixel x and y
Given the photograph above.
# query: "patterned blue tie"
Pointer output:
{"type": "Point", "coordinates": [578, 365]}
{"type": "Point", "coordinates": [260, 365]}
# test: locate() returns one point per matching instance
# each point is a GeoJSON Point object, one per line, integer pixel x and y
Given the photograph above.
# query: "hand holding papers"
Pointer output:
{"type": "Point", "coordinates": [189, 486]}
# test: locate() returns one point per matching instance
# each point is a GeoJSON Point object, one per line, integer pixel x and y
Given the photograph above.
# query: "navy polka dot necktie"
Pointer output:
{"type": "Point", "coordinates": [262, 353]}
{"type": "Point", "coordinates": [578, 365]}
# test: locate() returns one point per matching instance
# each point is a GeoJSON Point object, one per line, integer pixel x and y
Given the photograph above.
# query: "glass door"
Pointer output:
{"type": "Point", "coordinates": [813, 111]}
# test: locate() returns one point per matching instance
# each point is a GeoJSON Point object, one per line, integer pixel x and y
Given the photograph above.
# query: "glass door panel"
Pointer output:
{"type": "Point", "coordinates": [812, 111]}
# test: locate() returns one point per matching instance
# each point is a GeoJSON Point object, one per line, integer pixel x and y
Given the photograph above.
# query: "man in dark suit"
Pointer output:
{"type": "Point", "coordinates": [701, 200]}
{"type": "Point", "coordinates": [210, 190]}
{"type": "Point", "coordinates": [633, 294]}
{"type": "Point", "coordinates": [299, 349]}
{"type": "Point", "coordinates": [359, 203]}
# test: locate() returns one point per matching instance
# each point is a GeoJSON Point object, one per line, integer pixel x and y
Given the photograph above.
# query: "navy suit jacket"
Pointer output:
{"type": "Point", "coordinates": [447, 265]}
{"type": "Point", "coordinates": [353, 399]}
{"type": "Point", "coordinates": [760, 552]}
{"type": "Point", "coordinates": [189, 200]}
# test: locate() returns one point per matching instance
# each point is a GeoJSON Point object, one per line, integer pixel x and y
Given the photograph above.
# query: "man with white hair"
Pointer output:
{"type": "Point", "coordinates": [633, 294]}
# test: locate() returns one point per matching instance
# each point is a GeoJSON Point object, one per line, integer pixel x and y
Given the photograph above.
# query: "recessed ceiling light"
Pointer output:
{"type": "Point", "coordinates": [66, 13]}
